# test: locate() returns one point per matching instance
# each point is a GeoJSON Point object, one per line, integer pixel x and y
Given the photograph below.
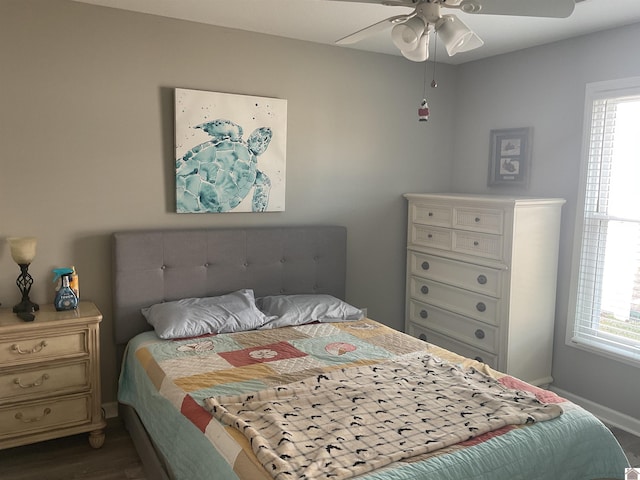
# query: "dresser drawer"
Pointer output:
{"type": "Point", "coordinates": [428, 236]}
{"type": "Point", "coordinates": [479, 219]}
{"type": "Point", "coordinates": [45, 415]}
{"type": "Point", "coordinates": [43, 380]}
{"type": "Point", "coordinates": [431, 214]}
{"type": "Point", "coordinates": [469, 276]}
{"type": "Point", "coordinates": [478, 244]}
{"type": "Point", "coordinates": [430, 336]}
{"type": "Point", "coordinates": [28, 349]}
{"type": "Point", "coordinates": [462, 302]}
{"type": "Point", "coordinates": [455, 326]}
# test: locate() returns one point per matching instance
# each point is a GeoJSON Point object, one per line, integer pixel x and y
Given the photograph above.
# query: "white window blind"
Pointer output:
{"type": "Point", "coordinates": [607, 275]}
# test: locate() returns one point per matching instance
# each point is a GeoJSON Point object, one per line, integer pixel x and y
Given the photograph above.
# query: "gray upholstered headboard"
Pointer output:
{"type": "Point", "coordinates": [154, 266]}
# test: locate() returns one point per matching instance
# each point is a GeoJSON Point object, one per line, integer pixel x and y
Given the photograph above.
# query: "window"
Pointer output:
{"type": "Point", "coordinates": [606, 271]}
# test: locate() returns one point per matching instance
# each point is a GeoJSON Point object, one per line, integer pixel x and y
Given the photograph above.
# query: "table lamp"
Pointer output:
{"type": "Point", "coordinates": [23, 250]}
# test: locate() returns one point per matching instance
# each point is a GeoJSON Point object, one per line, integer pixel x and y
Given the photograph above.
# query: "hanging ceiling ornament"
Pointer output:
{"type": "Point", "coordinates": [423, 111]}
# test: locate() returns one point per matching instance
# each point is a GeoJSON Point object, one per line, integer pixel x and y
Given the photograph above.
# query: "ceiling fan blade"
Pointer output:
{"type": "Point", "coordinates": [524, 8]}
{"type": "Point", "coordinates": [401, 3]}
{"type": "Point", "coordinates": [371, 29]}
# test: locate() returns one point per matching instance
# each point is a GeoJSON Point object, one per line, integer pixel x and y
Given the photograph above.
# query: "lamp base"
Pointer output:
{"type": "Point", "coordinates": [24, 282]}
{"type": "Point", "coordinates": [26, 306]}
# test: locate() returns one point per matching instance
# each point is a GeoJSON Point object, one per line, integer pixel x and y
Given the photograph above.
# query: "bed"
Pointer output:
{"type": "Point", "coordinates": [213, 406]}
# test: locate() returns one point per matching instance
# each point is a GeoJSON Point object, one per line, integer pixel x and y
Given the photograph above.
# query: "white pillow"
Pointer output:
{"type": "Point", "coordinates": [299, 309]}
{"type": "Point", "coordinates": [192, 317]}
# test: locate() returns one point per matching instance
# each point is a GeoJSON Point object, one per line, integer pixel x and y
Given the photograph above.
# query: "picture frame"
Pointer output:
{"type": "Point", "coordinates": [230, 152]}
{"type": "Point", "coordinates": [510, 157]}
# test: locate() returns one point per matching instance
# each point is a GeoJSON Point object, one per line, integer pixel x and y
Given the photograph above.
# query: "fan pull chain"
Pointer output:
{"type": "Point", "coordinates": [423, 109]}
{"type": "Point", "coordinates": [434, 84]}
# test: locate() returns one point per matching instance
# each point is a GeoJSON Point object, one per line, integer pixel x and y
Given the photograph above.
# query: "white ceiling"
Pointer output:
{"type": "Point", "coordinates": [325, 21]}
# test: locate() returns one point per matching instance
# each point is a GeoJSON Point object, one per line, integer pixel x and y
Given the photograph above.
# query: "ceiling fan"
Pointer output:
{"type": "Point", "coordinates": [410, 32]}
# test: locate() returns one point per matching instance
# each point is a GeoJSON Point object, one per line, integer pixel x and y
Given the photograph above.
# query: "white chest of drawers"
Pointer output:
{"type": "Point", "coordinates": [50, 376]}
{"type": "Point", "coordinates": [481, 278]}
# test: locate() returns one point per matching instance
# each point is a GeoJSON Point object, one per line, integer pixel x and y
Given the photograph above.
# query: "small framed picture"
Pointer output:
{"type": "Point", "coordinates": [510, 156]}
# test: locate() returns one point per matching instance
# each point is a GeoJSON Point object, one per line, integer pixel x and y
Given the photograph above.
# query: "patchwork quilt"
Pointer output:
{"type": "Point", "coordinates": [353, 399]}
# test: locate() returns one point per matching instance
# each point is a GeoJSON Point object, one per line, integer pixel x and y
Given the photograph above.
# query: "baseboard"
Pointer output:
{"type": "Point", "coordinates": [606, 414]}
{"type": "Point", "coordinates": [110, 409]}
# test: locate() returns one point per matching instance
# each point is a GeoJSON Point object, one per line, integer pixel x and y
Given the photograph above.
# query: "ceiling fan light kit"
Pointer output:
{"type": "Point", "coordinates": [410, 32]}
{"type": "Point", "coordinates": [456, 36]}
{"type": "Point", "coordinates": [406, 35]}
{"type": "Point", "coordinates": [421, 52]}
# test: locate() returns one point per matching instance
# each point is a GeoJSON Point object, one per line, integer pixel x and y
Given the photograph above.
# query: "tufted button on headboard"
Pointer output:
{"type": "Point", "coordinates": [160, 265]}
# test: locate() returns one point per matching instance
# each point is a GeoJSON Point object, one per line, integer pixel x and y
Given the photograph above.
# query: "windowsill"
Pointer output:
{"type": "Point", "coordinates": [608, 352]}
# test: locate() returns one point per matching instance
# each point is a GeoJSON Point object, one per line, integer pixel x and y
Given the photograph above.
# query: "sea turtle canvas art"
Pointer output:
{"type": "Point", "coordinates": [217, 175]}
{"type": "Point", "coordinates": [219, 168]}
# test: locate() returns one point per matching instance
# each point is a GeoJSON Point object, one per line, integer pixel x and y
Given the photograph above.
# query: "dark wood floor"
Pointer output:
{"type": "Point", "coordinates": [630, 444]}
{"type": "Point", "coordinates": [72, 458]}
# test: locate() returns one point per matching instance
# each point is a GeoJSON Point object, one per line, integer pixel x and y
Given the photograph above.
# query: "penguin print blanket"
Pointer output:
{"type": "Point", "coordinates": [350, 421]}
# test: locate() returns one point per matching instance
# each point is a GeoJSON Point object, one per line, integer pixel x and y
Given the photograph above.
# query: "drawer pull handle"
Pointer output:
{"type": "Point", "coordinates": [424, 314]}
{"type": "Point", "coordinates": [476, 243]}
{"type": "Point", "coordinates": [482, 279]}
{"type": "Point", "coordinates": [16, 348]}
{"type": "Point", "coordinates": [425, 265]}
{"type": "Point", "coordinates": [479, 359]}
{"type": "Point", "coordinates": [481, 307]}
{"type": "Point", "coordinates": [430, 235]}
{"type": "Point", "coordinates": [422, 337]}
{"type": "Point", "coordinates": [37, 383]}
{"type": "Point", "coordinates": [477, 219]}
{"type": "Point", "coordinates": [21, 417]}
{"type": "Point", "coordinates": [430, 214]}
{"type": "Point", "coordinates": [424, 289]}
{"type": "Point", "coordinates": [480, 333]}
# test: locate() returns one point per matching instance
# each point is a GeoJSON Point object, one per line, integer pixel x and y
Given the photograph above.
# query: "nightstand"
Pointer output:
{"type": "Point", "coordinates": [50, 376]}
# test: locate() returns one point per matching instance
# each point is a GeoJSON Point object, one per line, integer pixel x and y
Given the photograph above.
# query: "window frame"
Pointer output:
{"type": "Point", "coordinates": [593, 91]}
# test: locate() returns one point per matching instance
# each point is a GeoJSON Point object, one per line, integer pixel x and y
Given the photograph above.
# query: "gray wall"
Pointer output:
{"type": "Point", "coordinates": [544, 88]}
{"type": "Point", "coordinates": [86, 129]}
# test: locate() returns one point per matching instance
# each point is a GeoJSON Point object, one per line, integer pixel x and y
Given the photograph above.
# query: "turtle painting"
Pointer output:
{"type": "Point", "coordinates": [215, 176]}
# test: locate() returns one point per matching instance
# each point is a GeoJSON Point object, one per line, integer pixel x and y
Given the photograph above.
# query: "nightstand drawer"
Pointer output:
{"type": "Point", "coordinates": [469, 276]}
{"type": "Point", "coordinates": [44, 415]}
{"type": "Point", "coordinates": [455, 326]}
{"type": "Point", "coordinates": [460, 348]}
{"type": "Point", "coordinates": [431, 214]}
{"type": "Point", "coordinates": [45, 379]}
{"type": "Point", "coordinates": [28, 349]}
{"type": "Point", "coordinates": [462, 302]}
{"type": "Point", "coordinates": [428, 236]}
{"type": "Point", "coordinates": [479, 219]}
{"type": "Point", "coordinates": [478, 244]}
